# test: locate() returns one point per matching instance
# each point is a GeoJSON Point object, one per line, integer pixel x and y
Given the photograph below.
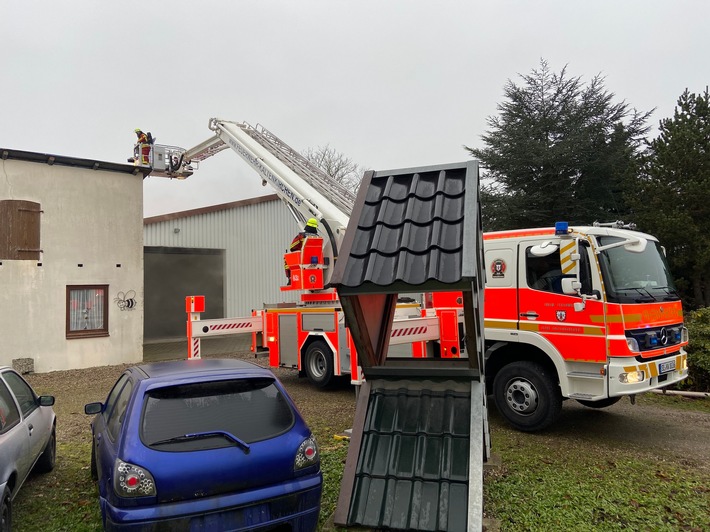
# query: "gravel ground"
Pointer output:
{"type": "Point", "coordinates": [674, 434]}
{"type": "Point", "coordinates": [329, 411]}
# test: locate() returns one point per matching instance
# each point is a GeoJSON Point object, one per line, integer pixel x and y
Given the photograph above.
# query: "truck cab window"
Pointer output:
{"type": "Point", "coordinates": [544, 273]}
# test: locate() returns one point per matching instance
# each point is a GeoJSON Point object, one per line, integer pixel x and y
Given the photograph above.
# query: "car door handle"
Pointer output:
{"type": "Point", "coordinates": [30, 427]}
{"type": "Point", "coordinates": [530, 314]}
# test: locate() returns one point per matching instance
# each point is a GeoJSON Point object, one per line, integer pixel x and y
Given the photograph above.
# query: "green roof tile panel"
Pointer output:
{"type": "Point", "coordinates": [413, 465]}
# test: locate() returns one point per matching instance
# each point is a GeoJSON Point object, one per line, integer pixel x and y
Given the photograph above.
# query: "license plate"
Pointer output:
{"type": "Point", "coordinates": [665, 367]}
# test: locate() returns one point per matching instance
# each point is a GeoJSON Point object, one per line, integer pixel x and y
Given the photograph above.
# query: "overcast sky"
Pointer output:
{"type": "Point", "coordinates": [390, 83]}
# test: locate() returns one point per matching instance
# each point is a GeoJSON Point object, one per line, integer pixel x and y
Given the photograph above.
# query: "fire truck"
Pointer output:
{"type": "Point", "coordinates": [310, 335]}
{"type": "Point", "coordinates": [585, 312]}
{"type": "Point", "coordinates": [588, 313]}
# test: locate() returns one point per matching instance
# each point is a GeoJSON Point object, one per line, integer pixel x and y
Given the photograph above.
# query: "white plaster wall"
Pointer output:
{"type": "Point", "coordinates": [90, 217]}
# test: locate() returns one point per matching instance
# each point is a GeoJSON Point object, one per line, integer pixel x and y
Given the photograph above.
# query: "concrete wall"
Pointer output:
{"type": "Point", "coordinates": [91, 218]}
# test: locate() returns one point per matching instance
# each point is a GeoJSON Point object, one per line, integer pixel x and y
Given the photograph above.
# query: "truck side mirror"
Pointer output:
{"type": "Point", "coordinates": [571, 286]}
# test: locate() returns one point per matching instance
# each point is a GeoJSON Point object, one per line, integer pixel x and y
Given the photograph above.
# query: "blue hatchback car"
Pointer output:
{"type": "Point", "coordinates": [213, 444]}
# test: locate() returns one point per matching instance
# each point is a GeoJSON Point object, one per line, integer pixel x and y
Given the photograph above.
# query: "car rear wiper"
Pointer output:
{"type": "Point", "coordinates": [208, 434]}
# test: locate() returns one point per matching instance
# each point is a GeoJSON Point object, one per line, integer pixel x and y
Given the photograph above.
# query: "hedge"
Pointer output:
{"type": "Point", "coordinates": [698, 323]}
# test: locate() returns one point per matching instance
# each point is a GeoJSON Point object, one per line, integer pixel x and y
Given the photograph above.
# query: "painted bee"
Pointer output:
{"type": "Point", "coordinates": [126, 301]}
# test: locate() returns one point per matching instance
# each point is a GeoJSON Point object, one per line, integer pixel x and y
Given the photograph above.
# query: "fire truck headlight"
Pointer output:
{"type": "Point", "coordinates": [633, 345]}
{"type": "Point", "coordinates": [632, 377]}
{"type": "Point", "coordinates": [684, 335]}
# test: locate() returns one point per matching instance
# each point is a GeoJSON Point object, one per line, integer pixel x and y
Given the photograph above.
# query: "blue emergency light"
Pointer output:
{"type": "Point", "coordinates": [561, 228]}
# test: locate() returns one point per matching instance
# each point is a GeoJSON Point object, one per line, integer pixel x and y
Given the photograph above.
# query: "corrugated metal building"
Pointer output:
{"type": "Point", "coordinates": [231, 253]}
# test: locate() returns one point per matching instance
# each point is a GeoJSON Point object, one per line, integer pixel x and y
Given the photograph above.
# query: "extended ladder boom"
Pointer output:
{"type": "Point", "coordinates": [305, 189]}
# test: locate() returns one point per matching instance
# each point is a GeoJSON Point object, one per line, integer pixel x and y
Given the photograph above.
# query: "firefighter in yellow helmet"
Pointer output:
{"type": "Point", "coordinates": [311, 228]}
{"type": "Point", "coordinates": [142, 148]}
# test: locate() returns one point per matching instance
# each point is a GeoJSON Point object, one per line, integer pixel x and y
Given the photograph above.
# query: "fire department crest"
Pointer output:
{"type": "Point", "coordinates": [498, 268]}
{"type": "Point", "coordinates": [561, 315]}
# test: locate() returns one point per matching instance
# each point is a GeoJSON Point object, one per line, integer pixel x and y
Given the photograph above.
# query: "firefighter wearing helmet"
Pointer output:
{"type": "Point", "coordinates": [311, 228]}
{"type": "Point", "coordinates": [142, 150]}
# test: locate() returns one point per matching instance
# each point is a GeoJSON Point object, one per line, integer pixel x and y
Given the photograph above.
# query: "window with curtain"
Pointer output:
{"type": "Point", "coordinates": [87, 311]}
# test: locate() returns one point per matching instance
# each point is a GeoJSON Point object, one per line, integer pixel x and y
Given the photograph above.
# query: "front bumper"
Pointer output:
{"type": "Point", "coordinates": [295, 503]}
{"type": "Point", "coordinates": [655, 376]}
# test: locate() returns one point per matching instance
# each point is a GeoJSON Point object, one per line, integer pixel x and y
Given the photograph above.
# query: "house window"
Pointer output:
{"type": "Point", "coordinates": [19, 230]}
{"type": "Point", "coordinates": [87, 311]}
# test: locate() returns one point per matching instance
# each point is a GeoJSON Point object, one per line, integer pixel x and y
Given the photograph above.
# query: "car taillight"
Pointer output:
{"type": "Point", "coordinates": [132, 481]}
{"type": "Point", "coordinates": [307, 454]}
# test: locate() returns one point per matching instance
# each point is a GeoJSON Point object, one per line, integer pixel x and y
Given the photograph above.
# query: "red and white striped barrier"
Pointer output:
{"type": "Point", "coordinates": [414, 330]}
{"type": "Point", "coordinates": [226, 326]}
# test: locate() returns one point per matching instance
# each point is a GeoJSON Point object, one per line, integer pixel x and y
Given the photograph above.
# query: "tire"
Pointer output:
{"type": "Point", "coordinates": [319, 364]}
{"type": "Point", "coordinates": [48, 458]}
{"type": "Point", "coordinates": [527, 396]}
{"type": "Point", "coordinates": [6, 511]}
{"type": "Point", "coordinates": [92, 468]}
{"type": "Point", "coordinates": [609, 401]}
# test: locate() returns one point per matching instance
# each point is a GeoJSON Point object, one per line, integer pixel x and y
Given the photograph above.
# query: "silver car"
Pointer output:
{"type": "Point", "coordinates": [27, 437]}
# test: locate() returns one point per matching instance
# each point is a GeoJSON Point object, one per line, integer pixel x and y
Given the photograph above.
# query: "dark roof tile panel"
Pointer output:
{"type": "Point", "coordinates": [418, 209]}
{"type": "Point", "coordinates": [409, 237]}
{"type": "Point", "coordinates": [410, 228]}
{"type": "Point", "coordinates": [413, 268]}
{"type": "Point", "coordinates": [413, 459]}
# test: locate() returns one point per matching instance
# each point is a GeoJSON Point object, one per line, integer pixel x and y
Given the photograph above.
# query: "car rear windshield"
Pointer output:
{"type": "Point", "coordinates": [196, 416]}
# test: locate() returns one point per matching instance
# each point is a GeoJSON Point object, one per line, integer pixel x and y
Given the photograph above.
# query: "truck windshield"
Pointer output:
{"type": "Point", "coordinates": [636, 277]}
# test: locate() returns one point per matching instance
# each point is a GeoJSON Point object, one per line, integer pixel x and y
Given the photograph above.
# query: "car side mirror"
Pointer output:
{"type": "Point", "coordinates": [46, 400]}
{"type": "Point", "coordinates": [93, 408]}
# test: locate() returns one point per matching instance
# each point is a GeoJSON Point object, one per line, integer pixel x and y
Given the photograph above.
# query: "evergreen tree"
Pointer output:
{"type": "Point", "coordinates": [558, 150]}
{"type": "Point", "coordinates": [671, 199]}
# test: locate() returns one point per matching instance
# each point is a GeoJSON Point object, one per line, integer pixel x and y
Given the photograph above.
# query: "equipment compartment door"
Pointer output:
{"type": "Point", "coordinates": [288, 340]}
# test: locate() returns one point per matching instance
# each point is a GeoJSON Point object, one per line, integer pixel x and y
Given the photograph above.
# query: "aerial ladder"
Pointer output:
{"type": "Point", "coordinates": [306, 190]}
{"type": "Point", "coordinates": [323, 346]}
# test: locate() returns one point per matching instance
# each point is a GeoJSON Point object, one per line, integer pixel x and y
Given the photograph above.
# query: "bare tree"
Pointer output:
{"type": "Point", "coordinates": [337, 165]}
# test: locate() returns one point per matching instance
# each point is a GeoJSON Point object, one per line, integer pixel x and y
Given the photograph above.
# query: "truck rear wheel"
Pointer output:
{"type": "Point", "coordinates": [527, 396]}
{"type": "Point", "coordinates": [319, 363]}
{"type": "Point", "coordinates": [600, 404]}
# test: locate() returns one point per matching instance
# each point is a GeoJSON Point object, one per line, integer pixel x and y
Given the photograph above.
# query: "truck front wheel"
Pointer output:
{"type": "Point", "coordinates": [319, 364]}
{"type": "Point", "coordinates": [527, 396]}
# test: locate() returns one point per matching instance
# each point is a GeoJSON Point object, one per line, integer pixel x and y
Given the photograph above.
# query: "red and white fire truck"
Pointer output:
{"type": "Point", "coordinates": [585, 312]}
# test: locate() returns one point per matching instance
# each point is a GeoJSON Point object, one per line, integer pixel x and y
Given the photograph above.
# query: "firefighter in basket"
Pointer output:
{"type": "Point", "coordinates": [311, 228]}
{"type": "Point", "coordinates": [141, 151]}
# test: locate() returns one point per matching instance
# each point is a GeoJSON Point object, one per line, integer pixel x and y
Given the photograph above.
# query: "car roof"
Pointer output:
{"type": "Point", "coordinates": [201, 367]}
